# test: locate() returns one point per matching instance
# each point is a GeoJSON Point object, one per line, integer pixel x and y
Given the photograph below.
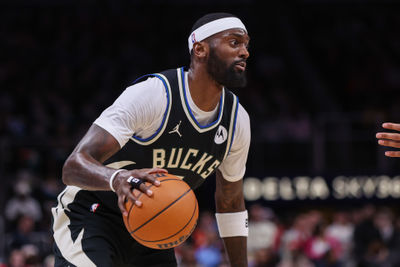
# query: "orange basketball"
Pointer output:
{"type": "Point", "coordinates": [167, 218]}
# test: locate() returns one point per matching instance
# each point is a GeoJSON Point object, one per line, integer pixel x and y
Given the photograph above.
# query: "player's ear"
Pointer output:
{"type": "Point", "coordinates": [200, 49]}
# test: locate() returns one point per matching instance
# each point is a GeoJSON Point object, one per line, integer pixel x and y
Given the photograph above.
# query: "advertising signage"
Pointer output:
{"type": "Point", "coordinates": [320, 188]}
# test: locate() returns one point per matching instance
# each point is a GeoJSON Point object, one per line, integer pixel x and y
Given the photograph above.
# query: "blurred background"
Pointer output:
{"type": "Point", "coordinates": [323, 76]}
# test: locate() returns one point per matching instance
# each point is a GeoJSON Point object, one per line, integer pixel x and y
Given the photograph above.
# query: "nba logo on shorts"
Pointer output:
{"type": "Point", "coordinates": [94, 207]}
{"type": "Point", "coordinates": [193, 38]}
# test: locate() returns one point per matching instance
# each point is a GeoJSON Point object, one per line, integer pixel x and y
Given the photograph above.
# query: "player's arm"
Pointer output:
{"type": "Point", "coordinates": [231, 212]}
{"type": "Point", "coordinates": [84, 167]}
{"type": "Point", "coordinates": [390, 139]}
{"type": "Point", "coordinates": [229, 202]}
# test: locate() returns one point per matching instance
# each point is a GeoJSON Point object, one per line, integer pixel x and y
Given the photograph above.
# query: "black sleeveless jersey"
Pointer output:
{"type": "Point", "coordinates": [181, 145]}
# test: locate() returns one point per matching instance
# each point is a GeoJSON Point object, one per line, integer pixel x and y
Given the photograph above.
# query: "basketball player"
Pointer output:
{"type": "Point", "coordinates": [182, 121]}
{"type": "Point", "coordinates": [390, 139]}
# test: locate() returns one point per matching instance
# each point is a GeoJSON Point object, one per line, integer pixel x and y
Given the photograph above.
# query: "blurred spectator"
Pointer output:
{"type": "Point", "coordinates": [264, 257]}
{"type": "Point", "coordinates": [342, 229]}
{"type": "Point", "coordinates": [293, 241]}
{"type": "Point", "coordinates": [367, 239]}
{"type": "Point", "coordinates": [185, 255]}
{"type": "Point", "coordinates": [209, 253]}
{"type": "Point", "coordinates": [25, 237]}
{"type": "Point", "coordinates": [262, 230]}
{"type": "Point", "coordinates": [24, 233]}
{"type": "Point", "coordinates": [46, 193]}
{"type": "Point", "coordinates": [377, 254]}
{"type": "Point", "coordinates": [208, 245]}
{"type": "Point", "coordinates": [207, 224]}
{"type": "Point", "coordinates": [383, 221]}
{"type": "Point", "coordinates": [26, 256]}
{"type": "Point", "coordinates": [395, 248]}
{"type": "Point", "coordinates": [321, 249]}
{"type": "Point", "coordinates": [298, 259]}
{"type": "Point", "coordinates": [32, 256]}
{"type": "Point", "coordinates": [262, 233]}
{"type": "Point", "coordinates": [388, 253]}
{"type": "Point", "coordinates": [17, 258]}
{"type": "Point", "coordinates": [22, 203]}
{"type": "Point", "coordinates": [48, 261]}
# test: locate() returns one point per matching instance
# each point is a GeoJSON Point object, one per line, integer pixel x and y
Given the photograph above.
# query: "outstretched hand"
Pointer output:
{"type": "Point", "coordinates": [124, 189]}
{"type": "Point", "coordinates": [390, 139]}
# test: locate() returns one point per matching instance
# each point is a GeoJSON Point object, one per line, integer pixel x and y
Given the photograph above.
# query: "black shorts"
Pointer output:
{"type": "Point", "coordinates": [88, 233]}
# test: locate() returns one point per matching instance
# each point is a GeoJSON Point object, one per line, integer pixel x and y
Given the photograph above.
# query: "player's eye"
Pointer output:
{"type": "Point", "coordinates": [234, 42]}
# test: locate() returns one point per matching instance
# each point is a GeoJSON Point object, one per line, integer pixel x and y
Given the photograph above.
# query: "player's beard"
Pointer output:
{"type": "Point", "coordinates": [223, 74]}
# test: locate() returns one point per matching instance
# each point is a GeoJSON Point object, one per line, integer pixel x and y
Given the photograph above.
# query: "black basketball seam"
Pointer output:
{"type": "Point", "coordinates": [140, 194]}
{"type": "Point", "coordinates": [180, 230]}
{"type": "Point", "coordinates": [161, 211]}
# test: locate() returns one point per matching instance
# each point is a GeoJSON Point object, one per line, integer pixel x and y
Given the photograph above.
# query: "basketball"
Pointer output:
{"type": "Point", "coordinates": [167, 218]}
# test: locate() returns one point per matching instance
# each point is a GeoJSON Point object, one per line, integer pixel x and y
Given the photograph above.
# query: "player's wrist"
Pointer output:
{"type": "Point", "coordinates": [113, 179]}
{"type": "Point", "coordinates": [232, 224]}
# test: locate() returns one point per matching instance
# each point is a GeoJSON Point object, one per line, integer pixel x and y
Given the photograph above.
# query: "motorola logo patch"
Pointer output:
{"type": "Point", "coordinates": [221, 135]}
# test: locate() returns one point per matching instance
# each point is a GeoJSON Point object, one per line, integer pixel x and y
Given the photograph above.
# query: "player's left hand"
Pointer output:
{"type": "Point", "coordinates": [390, 139]}
{"type": "Point", "coordinates": [124, 186]}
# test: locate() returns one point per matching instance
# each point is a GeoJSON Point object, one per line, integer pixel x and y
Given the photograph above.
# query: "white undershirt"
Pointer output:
{"type": "Point", "coordinates": [202, 117]}
{"type": "Point", "coordinates": [139, 111]}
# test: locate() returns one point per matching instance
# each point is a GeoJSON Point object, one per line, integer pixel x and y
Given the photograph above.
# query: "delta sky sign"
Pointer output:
{"type": "Point", "coordinates": [320, 188]}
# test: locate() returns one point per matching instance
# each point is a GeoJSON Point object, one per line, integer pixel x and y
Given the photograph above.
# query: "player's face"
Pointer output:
{"type": "Point", "coordinates": [227, 58]}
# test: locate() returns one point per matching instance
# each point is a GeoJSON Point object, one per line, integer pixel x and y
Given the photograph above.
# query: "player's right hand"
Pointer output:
{"type": "Point", "coordinates": [390, 139]}
{"type": "Point", "coordinates": [123, 188]}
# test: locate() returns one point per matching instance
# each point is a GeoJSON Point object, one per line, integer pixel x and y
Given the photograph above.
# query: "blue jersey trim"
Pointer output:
{"type": "Point", "coordinates": [190, 111]}
{"type": "Point", "coordinates": [234, 123]}
{"type": "Point", "coordinates": [166, 110]}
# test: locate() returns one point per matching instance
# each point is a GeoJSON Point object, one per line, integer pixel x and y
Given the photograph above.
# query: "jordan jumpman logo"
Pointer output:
{"type": "Point", "coordinates": [176, 129]}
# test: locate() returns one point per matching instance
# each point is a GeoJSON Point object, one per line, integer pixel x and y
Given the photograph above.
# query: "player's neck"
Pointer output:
{"type": "Point", "coordinates": [205, 91]}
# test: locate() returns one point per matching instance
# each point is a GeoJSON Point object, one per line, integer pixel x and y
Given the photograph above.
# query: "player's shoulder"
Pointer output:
{"type": "Point", "coordinates": [150, 84]}
{"type": "Point", "coordinates": [243, 117]}
{"type": "Point", "coordinates": [150, 91]}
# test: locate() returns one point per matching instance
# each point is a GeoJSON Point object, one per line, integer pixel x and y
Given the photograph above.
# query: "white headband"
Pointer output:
{"type": "Point", "coordinates": [214, 27]}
